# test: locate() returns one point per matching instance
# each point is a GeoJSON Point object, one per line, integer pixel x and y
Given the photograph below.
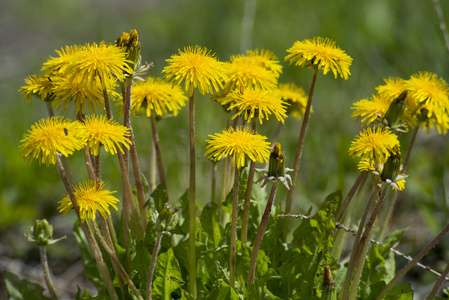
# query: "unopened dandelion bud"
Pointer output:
{"type": "Point", "coordinates": [122, 40]}
{"type": "Point", "coordinates": [392, 166]}
{"type": "Point", "coordinates": [422, 114]}
{"type": "Point", "coordinates": [329, 288]}
{"type": "Point", "coordinates": [396, 109]}
{"type": "Point", "coordinates": [131, 43]}
{"type": "Point", "coordinates": [276, 164]}
{"type": "Point", "coordinates": [42, 233]}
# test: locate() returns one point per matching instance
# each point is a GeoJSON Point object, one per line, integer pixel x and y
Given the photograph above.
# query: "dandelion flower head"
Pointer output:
{"type": "Point", "coordinates": [50, 136]}
{"type": "Point", "coordinates": [90, 197]}
{"type": "Point", "coordinates": [157, 95]}
{"type": "Point", "coordinates": [295, 96]}
{"type": "Point", "coordinates": [108, 133]}
{"type": "Point", "coordinates": [239, 144]}
{"type": "Point", "coordinates": [255, 102]}
{"type": "Point", "coordinates": [198, 67]}
{"type": "Point", "coordinates": [371, 109]}
{"type": "Point", "coordinates": [86, 98]}
{"type": "Point", "coordinates": [248, 71]}
{"type": "Point", "coordinates": [39, 86]}
{"type": "Point", "coordinates": [322, 54]}
{"type": "Point", "coordinates": [266, 59]}
{"type": "Point", "coordinates": [432, 99]}
{"type": "Point", "coordinates": [60, 64]}
{"type": "Point", "coordinates": [374, 144]}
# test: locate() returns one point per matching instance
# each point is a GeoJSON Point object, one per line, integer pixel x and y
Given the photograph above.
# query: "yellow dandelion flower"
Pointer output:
{"type": "Point", "coordinates": [432, 99]}
{"type": "Point", "coordinates": [393, 87]}
{"type": "Point", "coordinates": [198, 67]}
{"type": "Point", "coordinates": [59, 64]}
{"type": "Point", "coordinates": [239, 143]}
{"type": "Point", "coordinates": [103, 62]}
{"type": "Point", "coordinates": [245, 71]}
{"type": "Point", "coordinates": [157, 95]}
{"type": "Point", "coordinates": [90, 197]}
{"type": "Point", "coordinates": [51, 136]}
{"type": "Point", "coordinates": [39, 86]}
{"type": "Point", "coordinates": [371, 109]}
{"type": "Point", "coordinates": [295, 96]}
{"type": "Point", "coordinates": [68, 90]}
{"type": "Point", "coordinates": [108, 133]}
{"type": "Point", "coordinates": [266, 59]}
{"type": "Point", "coordinates": [322, 54]}
{"type": "Point", "coordinates": [254, 102]}
{"type": "Point", "coordinates": [374, 144]}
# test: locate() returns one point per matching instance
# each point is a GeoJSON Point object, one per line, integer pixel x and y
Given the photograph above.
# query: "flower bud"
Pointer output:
{"type": "Point", "coordinates": [276, 164]}
{"type": "Point", "coordinates": [329, 288]}
{"type": "Point", "coordinates": [396, 109]}
{"type": "Point", "coordinates": [392, 165]}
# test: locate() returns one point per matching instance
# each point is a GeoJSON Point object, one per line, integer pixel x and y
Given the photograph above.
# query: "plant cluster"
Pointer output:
{"type": "Point", "coordinates": [236, 247]}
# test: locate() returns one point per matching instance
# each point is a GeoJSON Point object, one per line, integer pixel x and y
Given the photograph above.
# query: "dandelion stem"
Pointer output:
{"type": "Point", "coordinates": [438, 283]}
{"type": "Point", "coordinates": [364, 244]}
{"type": "Point", "coordinates": [233, 249]}
{"type": "Point", "coordinates": [102, 268]}
{"type": "Point", "coordinates": [354, 252]}
{"type": "Point", "coordinates": [152, 166]}
{"type": "Point", "coordinates": [128, 197]}
{"type": "Point", "coordinates": [410, 147]}
{"type": "Point", "coordinates": [116, 261]}
{"type": "Point", "coordinates": [44, 261]}
{"type": "Point", "coordinates": [213, 181]}
{"type": "Point", "coordinates": [160, 165]}
{"type": "Point", "coordinates": [152, 266]}
{"type": "Point", "coordinates": [260, 232]}
{"type": "Point", "coordinates": [249, 188]}
{"type": "Point", "coordinates": [192, 203]}
{"type": "Point", "coordinates": [302, 136]}
{"type": "Point", "coordinates": [411, 263]}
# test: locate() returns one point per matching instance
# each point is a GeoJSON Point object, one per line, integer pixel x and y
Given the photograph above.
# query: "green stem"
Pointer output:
{"type": "Point", "coordinates": [341, 212]}
{"type": "Point", "coordinates": [438, 283]}
{"type": "Point", "coordinates": [355, 248]}
{"type": "Point", "coordinates": [213, 182]}
{"type": "Point", "coordinates": [249, 188]}
{"type": "Point", "coordinates": [150, 275]}
{"type": "Point", "coordinates": [160, 165]}
{"type": "Point", "coordinates": [260, 232]}
{"type": "Point", "coordinates": [233, 244]}
{"type": "Point", "coordinates": [411, 263]}
{"type": "Point", "coordinates": [113, 255]}
{"type": "Point", "coordinates": [44, 261]}
{"type": "Point", "coordinates": [128, 197]}
{"type": "Point", "coordinates": [126, 93]}
{"type": "Point", "coordinates": [410, 147]}
{"type": "Point", "coordinates": [192, 202]}
{"type": "Point", "coordinates": [364, 244]}
{"type": "Point", "coordinates": [386, 218]}
{"type": "Point", "coordinates": [91, 240]}
{"type": "Point", "coordinates": [299, 148]}
{"type": "Point", "coordinates": [153, 167]}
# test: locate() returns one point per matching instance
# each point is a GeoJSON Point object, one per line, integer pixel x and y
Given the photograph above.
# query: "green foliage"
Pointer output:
{"type": "Point", "coordinates": [90, 265]}
{"type": "Point", "coordinates": [23, 289]}
{"type": "Point", "coordinates": [168, 275]}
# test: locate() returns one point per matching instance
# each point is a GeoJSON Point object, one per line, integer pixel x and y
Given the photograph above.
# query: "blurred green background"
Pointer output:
{"type": "Point", "coordinates": [384, 38]}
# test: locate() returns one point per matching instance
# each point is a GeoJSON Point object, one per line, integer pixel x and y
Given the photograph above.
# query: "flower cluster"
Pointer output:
{"type": "Point", "coordinates": [424, 96]}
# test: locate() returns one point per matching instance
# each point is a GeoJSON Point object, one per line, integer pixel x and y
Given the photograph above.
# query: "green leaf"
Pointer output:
{"type": "Point", "coordinates": [168, 272]}
{"type": "Point", "coordinates": [22, 289]}
{"type": "Point", "coordinates": [160, 197]}
{"type": "Point", "coordinates": [224, 292]}
{"type": "Point", "coordinates": [210, 217]}
{"type": "Point", "coordinates": [140, 263]}
{"type": "Point", "coordinates": [401, 291]}
{"type": "Point", "coordinates": [90, 265]}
